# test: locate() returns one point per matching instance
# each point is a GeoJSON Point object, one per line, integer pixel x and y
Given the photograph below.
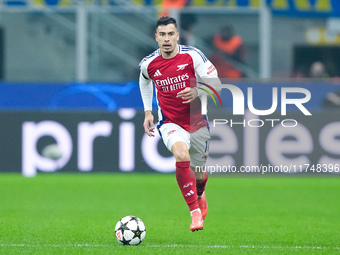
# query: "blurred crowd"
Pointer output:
{"type": "Point", "coordinates": [228, 50]}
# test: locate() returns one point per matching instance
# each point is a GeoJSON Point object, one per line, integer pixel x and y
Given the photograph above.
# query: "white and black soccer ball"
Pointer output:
{"type": "Point", "coordinates": [130, 230]}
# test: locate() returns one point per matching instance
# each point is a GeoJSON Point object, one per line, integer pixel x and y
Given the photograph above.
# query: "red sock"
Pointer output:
{"type": "Point", "coordinates": [187, 183]}
{"type": "Point", "coordinates": [200, 186]}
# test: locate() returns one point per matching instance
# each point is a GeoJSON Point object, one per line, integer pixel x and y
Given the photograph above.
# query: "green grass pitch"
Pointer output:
{"type": "Point", "coordinates": [76, 214]}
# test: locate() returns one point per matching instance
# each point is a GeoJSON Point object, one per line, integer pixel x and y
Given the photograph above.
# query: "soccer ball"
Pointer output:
{"type": "Point", "coordinates": [130, 230]}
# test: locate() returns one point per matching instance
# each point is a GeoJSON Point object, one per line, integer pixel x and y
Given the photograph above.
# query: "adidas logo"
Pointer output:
{"type": "Point", "coordinates": [189, 193]}
{"type": "Point", "coordinates": [157, 73]}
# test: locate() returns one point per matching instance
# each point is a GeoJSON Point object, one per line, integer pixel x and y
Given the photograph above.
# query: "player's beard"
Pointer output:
{"type": "Point", "coordinates": [169, 51]}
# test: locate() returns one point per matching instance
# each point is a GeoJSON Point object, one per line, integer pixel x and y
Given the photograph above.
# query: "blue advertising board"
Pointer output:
{"type": "Point", "coordinates": [111, 97]}
{"type": "Point", "coordinates": [69, 96]}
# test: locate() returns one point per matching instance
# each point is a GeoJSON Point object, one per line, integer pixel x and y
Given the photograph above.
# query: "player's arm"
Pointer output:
{"type": "Point", "coordinates": [206, 73]}
{"type": "Point", "coordinates": [148, 125]}
{"type": "Point", "coordinates": [207, 76]}
{"type": "Point", "coordinates": [146, 89]}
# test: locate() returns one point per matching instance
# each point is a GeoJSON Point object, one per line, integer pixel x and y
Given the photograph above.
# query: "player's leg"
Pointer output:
{"type": "Point", "coordinates": [201, 176]}
{"type": "Point", "coordinates": [187, 183]}
{"type": "Point", "coordinates": [198, 156]}
{"type": "Point", "coordinates": [177, 141]}
{"type": "Point", "coordinates": [201, 182]}
{"type": "Point", "coordinates": [184, 175]}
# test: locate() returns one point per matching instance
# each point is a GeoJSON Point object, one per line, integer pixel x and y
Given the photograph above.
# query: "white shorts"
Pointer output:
{"type": "Point", "coordinates": [197, 142]}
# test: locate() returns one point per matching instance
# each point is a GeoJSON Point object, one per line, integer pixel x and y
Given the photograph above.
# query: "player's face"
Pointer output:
{"type": "Point", "coordinates": [167, 37]}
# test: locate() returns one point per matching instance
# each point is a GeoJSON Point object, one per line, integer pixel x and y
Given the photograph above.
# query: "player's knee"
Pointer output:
{"type": "Point", "coordinates": [180, 151]}
{"type": "Point", "coordinates": [181, 155]}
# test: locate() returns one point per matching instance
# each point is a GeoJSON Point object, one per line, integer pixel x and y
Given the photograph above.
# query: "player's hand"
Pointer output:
{"type": "Point", "coordinates": [187, 94]}
{"type": "Point", "coordinates": [148, 125]}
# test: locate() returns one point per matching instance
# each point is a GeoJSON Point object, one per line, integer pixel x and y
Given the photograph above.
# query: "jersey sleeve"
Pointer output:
{"type": "Point", "coordinates": [204, 68]}
{"type": "Point", "coordinates": [146, 88]}
{"type": "Point", "coordinates": [205, 72]}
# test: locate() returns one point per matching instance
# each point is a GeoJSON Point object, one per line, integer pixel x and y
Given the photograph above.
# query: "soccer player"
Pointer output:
{"type": "Point", "coordinates": [174, 69]}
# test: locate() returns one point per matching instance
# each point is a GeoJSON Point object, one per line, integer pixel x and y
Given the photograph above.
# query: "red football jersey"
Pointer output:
{"type": "Point", "coordinates": [170, 76]}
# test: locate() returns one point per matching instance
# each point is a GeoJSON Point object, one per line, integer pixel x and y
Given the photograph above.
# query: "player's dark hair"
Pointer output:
{"type": "Point", "coordinates": [165, 20]}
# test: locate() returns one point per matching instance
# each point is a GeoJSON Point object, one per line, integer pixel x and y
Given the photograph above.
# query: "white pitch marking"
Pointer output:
{"type": "Point", "coordinates": [178, 246]}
